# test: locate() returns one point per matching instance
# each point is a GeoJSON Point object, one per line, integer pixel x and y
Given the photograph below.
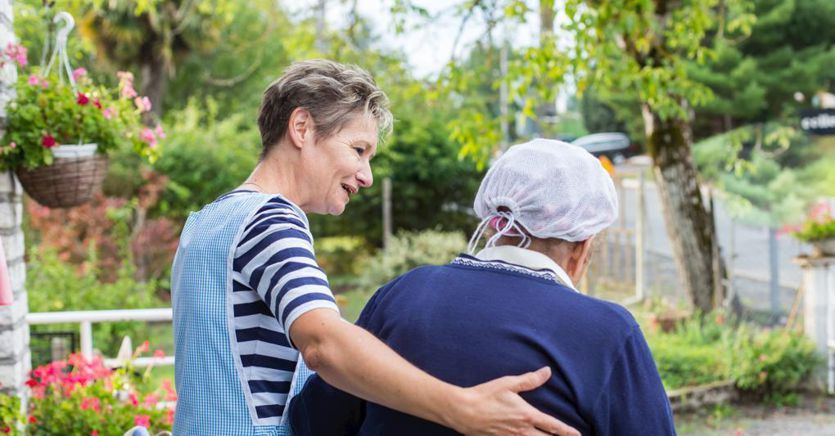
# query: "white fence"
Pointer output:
{"type": "Point", "coordinates": [86, 318]}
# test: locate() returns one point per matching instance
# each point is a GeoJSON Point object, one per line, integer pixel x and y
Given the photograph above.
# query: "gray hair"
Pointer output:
{"type": "Point", "coordinates": [332, 92]}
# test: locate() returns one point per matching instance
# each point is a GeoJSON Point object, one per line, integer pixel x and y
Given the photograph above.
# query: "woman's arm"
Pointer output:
{"type": "Point", "coordinates": [351, 359]}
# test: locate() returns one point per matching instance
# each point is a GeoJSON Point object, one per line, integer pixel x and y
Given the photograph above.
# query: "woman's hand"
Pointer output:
{"type": "Point", "coordinates": [495, 408]}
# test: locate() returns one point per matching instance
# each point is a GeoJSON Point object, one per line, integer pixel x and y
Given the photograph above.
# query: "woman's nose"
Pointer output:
{"type": "Point", "coordinates": [364, 176]}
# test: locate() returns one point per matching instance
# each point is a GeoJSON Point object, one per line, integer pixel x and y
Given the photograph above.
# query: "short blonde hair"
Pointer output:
{"type": "Point", "coordinates": [332, 92]}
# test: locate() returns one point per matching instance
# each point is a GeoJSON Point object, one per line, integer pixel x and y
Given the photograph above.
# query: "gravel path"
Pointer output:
{"type": "Point", "coordinates": [815, 416]}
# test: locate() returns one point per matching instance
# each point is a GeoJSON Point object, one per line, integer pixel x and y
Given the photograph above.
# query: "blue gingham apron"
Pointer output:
{"type": "Point", "coordinates": [211, 395]}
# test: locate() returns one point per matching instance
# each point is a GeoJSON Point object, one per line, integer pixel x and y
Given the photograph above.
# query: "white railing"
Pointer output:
{"type": "Point", "coordinates": [86, 318]}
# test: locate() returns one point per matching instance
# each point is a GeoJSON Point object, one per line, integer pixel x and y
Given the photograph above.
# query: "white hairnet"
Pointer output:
{"type": "Point", "coordinates": [547, 188]}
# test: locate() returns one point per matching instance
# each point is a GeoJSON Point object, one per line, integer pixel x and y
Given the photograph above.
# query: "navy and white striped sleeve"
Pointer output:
{"type": "Point", "coordinates": [275, 258]}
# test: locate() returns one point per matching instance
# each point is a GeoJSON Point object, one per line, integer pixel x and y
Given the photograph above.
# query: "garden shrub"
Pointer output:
{"type": "Point", "coordinates": [766, 363]}
{"type": "Point", "coordinates": [682, 363]}
{"type": "Point", "coordinates": [341, 255]}
{"type": "Point", "coordinates": [11, 417]}
{"type": "Point", "coordinates": [409, 250]}
{"type": "Point", "coordinates": [55, 285]}
{"type": "Point", "coordinates": [771, 363]}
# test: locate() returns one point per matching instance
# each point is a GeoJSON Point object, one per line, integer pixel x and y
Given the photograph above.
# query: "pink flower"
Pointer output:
{"type": "Point", "coordinates": [94, 433]}
{"type": "Point", "coordinates": [147, 135]}
{"type": "Point", "coordinates": [82, 99]}
{"type": "Point", "coordinates": [170, 416]}
{"type": "Point", "coordinates": [144, 347]}
{"type": "Point", "coordinates": [133, 399]}
{"type": "Point", "coordinates": [128, 91]}
{"type": "Point", "coordinates": [17, 53]}
{"type": "Point", "coordinates": [159, 132]}
{"type": "Point", "coordinates": [125, 76]}
{"type": "Point", "coordinates": [79, 73]}
{"type": "Point", "coordinates": [90, 403]}
{"type": "Point", "coordinates": [142, 420]}
{"type": "Point", "coordinates": [12, 144]}
{"type": "Point", "coordinates": [151, 400]}
{"type": "Point", "coordinates": [107, 113]}
{"type": "Point", "coordinates": [34, 80]}
{"type": "Point", "coordinates": [159, 354]}
{"type": "Point", "coordinates": [48, 141]}
{"type": "Point", "coordinates": [97, 103]}
{"type": "Point", "coordinates": [142, 103]}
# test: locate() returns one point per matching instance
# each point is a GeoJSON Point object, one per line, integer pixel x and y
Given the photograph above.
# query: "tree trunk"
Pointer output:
{"type": "Point", "coordinates": [689, 225]}
{"type": "Point", "coordinates": [154, 75]}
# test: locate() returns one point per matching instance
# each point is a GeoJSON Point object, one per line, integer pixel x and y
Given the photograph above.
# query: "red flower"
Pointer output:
{"type": "Point", "coordinates": [82, 99]}
{"type": "Point", "coordinates": [170, 416]}
{"type": "Point", "coordinates": [94, 433]}
{"type": "Point", "coordinates": [144, 347]}
{"type": "Point", "coordinates": [32, 419]}
{"type": "Point", "coordinates": [97, 103]}
{"type": "Point", "coordinates": [31, 383]}
{"type": "Point", "coordinates": [133, 399]}
{"type": "Point", "coordinates": [159, 354]}
{"type": "Point", "coordinates": [48, 141]}
{"type": "Point", "coordinates": [142, 420]}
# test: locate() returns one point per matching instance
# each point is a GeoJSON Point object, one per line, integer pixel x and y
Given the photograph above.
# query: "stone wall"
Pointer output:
{"type": "Point", "coordinates": [15, 361]}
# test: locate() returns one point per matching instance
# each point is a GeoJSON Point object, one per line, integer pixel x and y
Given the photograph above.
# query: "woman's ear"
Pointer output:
{"type": "Point", "coordinates": [300, 127]}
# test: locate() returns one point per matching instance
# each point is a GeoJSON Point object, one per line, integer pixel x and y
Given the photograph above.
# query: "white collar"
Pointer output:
{"type": "Point", "coordinates": [526, 258]}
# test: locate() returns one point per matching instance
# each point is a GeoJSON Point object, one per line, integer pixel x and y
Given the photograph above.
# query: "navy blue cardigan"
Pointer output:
{"type": "Point", "coordinates": [471, 321]}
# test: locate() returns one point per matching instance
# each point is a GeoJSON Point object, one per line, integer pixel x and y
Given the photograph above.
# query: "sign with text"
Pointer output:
{"type": "Point", "coordinates": [818, 121]}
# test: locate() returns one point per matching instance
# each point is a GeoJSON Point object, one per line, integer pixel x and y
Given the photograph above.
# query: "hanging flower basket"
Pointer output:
{"type": "Point", "coordinates": [74, 176]}
{"type": "Point", "coordinates": [60, 105]}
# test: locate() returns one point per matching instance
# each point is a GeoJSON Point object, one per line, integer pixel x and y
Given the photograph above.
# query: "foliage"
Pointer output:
{"type": "Point", "coordinates": [705, 349]}
{"type": "Point", "coordinates": [771, 362]}
{"type": "Point", "coordinates": [78, 396]}
{"type": "Point", "coordinates": [755, 79]}
{"type": "Point", "coordinates": [745, 164]}
{"type": "Point", "coordinates": [154, 36]}
{"type": "Point", "coordinates": [49, 111]}
{"type": "Point", "coordinates": [118, 230]}
{"type": "Point", "coordinates": [409, 250]}
{"type": "Point", "coordinates": [56, 285]}
{"type": "Point", "coordinates": [341, 255]}
{"type": "Point", "coordinates": [204, 158]}
{"type": "Point", "coordinates": [820, 224]}
{"type": "Point", "coordinates": [11, 417]}
{"type": "Point", "coordinates": [693, 353]}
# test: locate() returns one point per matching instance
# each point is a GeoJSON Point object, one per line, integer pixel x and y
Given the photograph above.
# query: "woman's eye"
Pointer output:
{"type": "Point", "coordinates": [359, 150]}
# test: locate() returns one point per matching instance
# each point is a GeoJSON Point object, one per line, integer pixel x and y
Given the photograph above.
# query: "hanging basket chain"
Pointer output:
{"type": "Point", "coordinates": [59, 52]}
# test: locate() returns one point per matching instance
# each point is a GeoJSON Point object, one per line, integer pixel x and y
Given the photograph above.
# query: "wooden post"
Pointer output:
{"type": "Point", "coordinates": [640, 217]}
{"type": "Point", "coordinates": [387, 225]}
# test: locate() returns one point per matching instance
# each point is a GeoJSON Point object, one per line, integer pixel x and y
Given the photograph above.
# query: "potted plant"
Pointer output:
{"type": "Point", "coordinates": [819, 230]}
{"type": "Point", "coordinates": [60, 129]}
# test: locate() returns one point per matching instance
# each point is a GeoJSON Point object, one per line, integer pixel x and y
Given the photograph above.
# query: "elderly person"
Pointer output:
{"type": "Point", "coordinates": [249, 297]}
{"type": "Point", "coordinates": [512, 305]}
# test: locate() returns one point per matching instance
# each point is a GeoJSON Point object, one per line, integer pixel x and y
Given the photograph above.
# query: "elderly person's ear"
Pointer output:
{"type": "Point", "coordinates": [300, 128]}
{"type": "Point", "coordinates": [579, 259]}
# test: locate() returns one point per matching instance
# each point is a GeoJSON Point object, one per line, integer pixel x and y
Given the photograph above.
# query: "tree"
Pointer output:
{"type": "Point", "coordinates": [754, 80]}
{"type": "Point", "coordinates": [154, 36]}
{"type": "Point", "coordinates": [641, 46]}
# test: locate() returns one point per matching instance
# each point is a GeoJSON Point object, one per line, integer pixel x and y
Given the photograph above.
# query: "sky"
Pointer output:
{"type": "Point", "coordinates": [427, 44]}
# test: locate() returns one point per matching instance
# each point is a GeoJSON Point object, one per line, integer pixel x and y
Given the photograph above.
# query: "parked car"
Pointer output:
{"type": "Point", "coordinates": [614, 145]}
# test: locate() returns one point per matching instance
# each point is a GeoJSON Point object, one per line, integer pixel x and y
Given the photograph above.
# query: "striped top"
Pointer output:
{"type": "Point", "coordinates": [275, 279]}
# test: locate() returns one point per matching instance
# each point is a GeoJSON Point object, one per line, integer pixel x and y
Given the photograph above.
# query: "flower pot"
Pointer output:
{"type": "Point", "coordinates": [74, 176]}
{"type": "Point", "coordinates": [824, 247]}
